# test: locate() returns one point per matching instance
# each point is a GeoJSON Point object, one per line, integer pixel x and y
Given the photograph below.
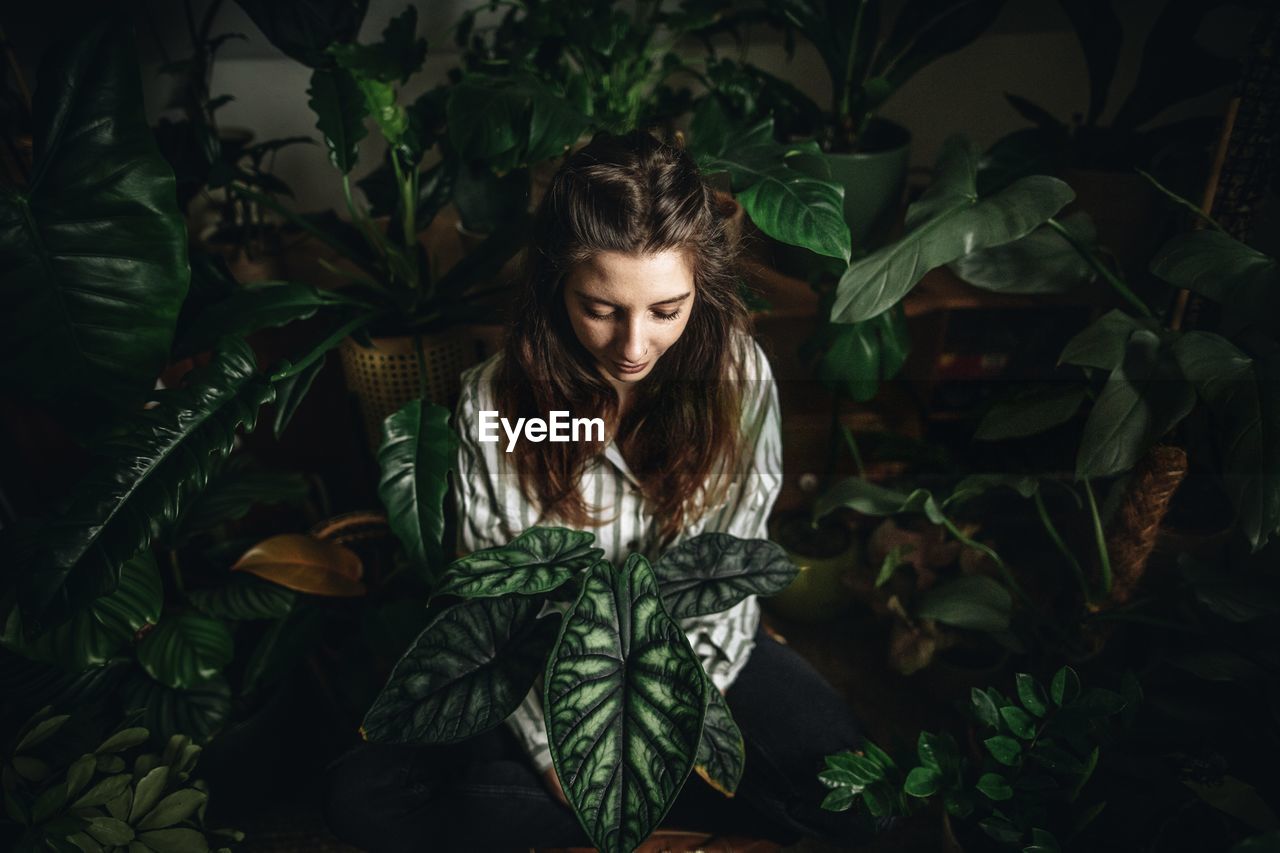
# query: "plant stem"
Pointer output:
{"type": "Point", "coordinates": [852, 444]}
{"type": "Point", "coordinates": [1111, 278]}
{"type": "Point", "coordinates": [1061, 546]}
{"type": "Point", "coordinates": [995, 558]}
{"type": "Point", "coordinates": [1104, 559]}
{"type": "Point", "coordinates": [1182, 202]}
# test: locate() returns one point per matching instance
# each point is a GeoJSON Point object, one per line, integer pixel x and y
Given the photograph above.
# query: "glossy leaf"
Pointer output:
{"type": "Point", "coordinates": [921, 782]}
{"type": "Point", "coordinates": [1102, 344]}
{"type": "Point", "coordinates": [849, 768]}
{"type": "Point", "coordinates": [304, 563]}
{"type": "Point", "coordinates": [976, 602]}
{"type": "Point", "coordinates": [1030, 414]}
{"type": "Point", "coordinates": [857, 358]}
{"type": "Point", "coordinates": [1144, 398]}
{"type": "Point", "coordinates": [870, 498]}
{"type": "Point", "coordinates": [1243, 280]}
{"type": "Point", "coordinates": [1019, 722]}
{"type": "Point", "coordinates": [511, 121]}
{"type": "Point", "coordinates": [625, 697]}
{"type": "Point", "coordinates": [537, 561]}
{"type": "Point", "coordinates": [93, 251]}
{"type": "Point", "coordinates": [151, 466]}
{"type": "Point", "coordinates": [465, 673]}
{"type": "Point", "coordinates": [1065, 686]}
{"type": "Point", "coordinates": [948, 221]}
{"type": "Point", "coordinates": [984, 707]}
{"type": "Point", "coordinates": [394, 59]}
{"type": "Point", "coordinates": [340, 112]}
{"type": "Point", "coordinates": [185, 649]}
{"type": "Point", "coordinates": [1041, 262]}
{"type": "Point", "coordinates": [721, 752]}
{"type": "Point", "coordinates": [712, 572]}
{"type": "Point", "coordinates": [254, 306]}
{"type": "Point", "coordinates": [303, 29]}
{"type": "Point", "coordinates": [1004, 749]}
{"type": "Point", "coordinates": [291, 391]}
{"type": "Point", "coordinates": [1031, 694]}
{"type": "Point", "coordinates": [235, 488]}
{"type": "Point", "coordinates": [415, 458]}
{"type": "Point", "coordinates": [243, 599]}
{"type": "Point", "coordinates": [995, 787]}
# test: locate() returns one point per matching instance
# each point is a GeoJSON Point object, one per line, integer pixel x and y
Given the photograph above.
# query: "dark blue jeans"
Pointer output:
{"type": "Point", "coordinates": [484, 793]}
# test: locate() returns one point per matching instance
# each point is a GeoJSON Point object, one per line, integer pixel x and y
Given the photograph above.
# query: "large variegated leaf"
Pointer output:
{"type": "Point", "coordinates": [721, 753]}
{"type": "Point", "coordinates": [714, 571]}
{"type": "Point", "coordinates": [537, 561]}
{"type": "Point", "coordinates": [151, 466]}
{"type": "Point", "coordinates": [465, 673]}
{"type": "Point", "coordinates": [93, 252]}
{"type": "Point", "coordinates": [625, 698]}
{"type": "Point", "coordinates": [416, 454]}
{"type": "Point", "coordinates": [949, 220]}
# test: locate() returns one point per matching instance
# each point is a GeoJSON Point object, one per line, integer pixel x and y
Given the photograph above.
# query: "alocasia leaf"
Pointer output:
{"type": "Point", "coordinates": [537, 561]}
{"type": "Point", "coordinates": [714, 571]}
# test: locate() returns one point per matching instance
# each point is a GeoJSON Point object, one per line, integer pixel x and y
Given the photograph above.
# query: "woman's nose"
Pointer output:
{"type": "Point", "coordinates": [633, 344]}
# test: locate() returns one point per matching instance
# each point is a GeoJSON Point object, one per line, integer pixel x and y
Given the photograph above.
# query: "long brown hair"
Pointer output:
{"type": "Point", "coordinates": [633, 194]}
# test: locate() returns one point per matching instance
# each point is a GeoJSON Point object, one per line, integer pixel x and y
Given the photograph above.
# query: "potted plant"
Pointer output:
{"type": "Point", "coordinates": [612, 629]}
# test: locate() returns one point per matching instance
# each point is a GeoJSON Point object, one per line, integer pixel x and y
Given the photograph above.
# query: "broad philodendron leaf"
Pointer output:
{"type": "Point", "coordinates": [625, 697]}
{"type": "Point", "coordinates": [948, 221]}
{"type": "Point", "coordinates": [1144, 398]}
{"type": "Point", "coordinates": [1041, 262]}
{"type": "Point", "coordinates": [721, 753]}
{"type": "Point", "coordinates": [976, 602]}
{"type": "Point", "coordinates": [416, 455]}
{"type": "Point", "coordinates": [1245, 281]}
{"type": "Point", "coordinates": [537, 561]}
{"type": "Point", "coordinates": [197, 712]}
{"type": "Point", "coordinates": [862, 356]}
{"type": "Point", "coordinates": [870, 499]}
{"type": "Point", "coordinates": [95, 634]}
{"type": "Point", "coordinates": [511, 121]}
{"type": "Point", "coordinates": [1030, 414]}
{"type": "Point", "coordinates": [1102, 344]}
{"type": "Point", "coordinates": [1243, 395]}
{"type": "Point", "coordinates": [340, 112]}
{"type": "Point", "coordinates": [93, 252]}
{"type": "Point", "coordinates": [185, 649]}
{"type": "Point", "coordinates": [714, 571]}
{"type": "Point", "coordinates": [151, 467]}
{"type": "Point", "coordinates": [465, 673]}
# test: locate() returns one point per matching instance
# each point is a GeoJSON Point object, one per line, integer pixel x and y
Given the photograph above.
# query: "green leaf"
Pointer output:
{"type": "Point", "coordinates": [626, 698]}
{"type": "Point", "coordinates": [511, 121]}
{"type": "Point", "coordinates": [995, 787]}
{"type": "Point", "coordinates": [123, 740]}
{"type": "Point", "coordinates": [858, 357]}
{"type": "Point", "coordinates": [1056, 759]}
{"type": "Point", "coordinates": [895, 558]}
{"type": "Point", "coordinates": [1143, 399]}
{"type": "Point", "coordinates": [948, 221]}
{"type": "Point", "coordinates": [415, 458]}
{"type": "Point", "coordinates": [465, 673]}
{"type": "Point", "coordinates": [234, 488]}
{"type": "Point", "coordinates": [394, 59]}
{"type": "Point", "coordinates": [1243, 396]}
{"type": "Point", "coordinates": [871, 499]}
{"type": "Point", "coordinates": [976, 602]}
{"type": "Point", "coordinates": [151, 467]}
{"type": "Point", "coordinates": [104, 790]}
{"type": "Point", "coordinates": [712, 572]}
{"type": "Point", "coordinates": [1102, 344]}
{"type": "Point", "coordinates": [249, 308]}
{"type": "Point", "coordinates": [1041, 262]}
{"type": "Point", "coordinates": [537, 561]}
{"type": "Point", "coordinates": [1245, 281]}
{"type": "Point", "coordinates": [244, 598]}
{"type": "Point", "coordinates": [291, 391]}
{"type": "Point", "coordinates": [197, 711]}
{"type": "Point", "coordinates": [109, 831]}
{"type": "Point", "coordinates": [721, 752]}
{"type": "Point", "coordinates": [93, 251]}
{"type": "Point", "coordinates": [921, 782]}
{"type": "Point", "coordinates": [838, 800]}
{"type": "Point", "coordinates": [185, 649]}
{"type": "Point", "coordinates": [1004, 749]}
{"type": "Point", "coordinates": [340, 112]}
{"type": "Point", "coordinates": [1065, 687]}
{"type": "Point", "coordinates": [174, 808]}
{"type": "Point", "coordinates": [1031, 694]}
{"type": "Point", "coordinates": [1030, 414]}
{"type": "Point", "coordinates": [80, 773]}
{"type": "Point", "coordinates": [1019, 722]}
{"type": "Point", "coordinates": [41, 732]}
{"type": "Point", "coordinates": [175, 841]}
{"type": "Point", "coordinates": [984, 707]}
{"type": "Point", "coordinates": [147, 792]}
{"type": "Point", "coordinates": [1000, 829]}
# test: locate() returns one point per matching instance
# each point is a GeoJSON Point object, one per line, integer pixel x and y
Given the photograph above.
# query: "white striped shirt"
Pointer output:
{"type": "Point", "coordinates": [492, 511]}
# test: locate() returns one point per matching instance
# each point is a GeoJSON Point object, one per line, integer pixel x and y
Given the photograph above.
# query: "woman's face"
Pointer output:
{"type": "Point", "coordinates": [628, 310]}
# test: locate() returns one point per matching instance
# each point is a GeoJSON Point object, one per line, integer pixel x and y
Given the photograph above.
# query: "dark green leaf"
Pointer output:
{"type": "Point", "coordinates": [464, 674]}
{"type": "Point", "coordinates": [1099, 702]}
{"type": "Point", "coordinates": [847, 768]}
{"type": "Point", "coordinates": [244, 598]}
{"type": "Point", "coordinates": [1041, 262]}
{"type": "Point", "coordinates": [721, 752]}
{"type": "Point", "coordinates": [303, 29]}
{"type": "Point", "coordinates": [180, 840]}
{"type": "Point", "coordinates": [1031, 694]}
{"type": "Point", "coordinates": [174, 808]}
{"type": "Point", "coordinates": [984, 709]}
{"type": "Point", "coordinates": [995, 787]}
{"type": "Point", "coordinates": [394, 59]}
{"type": "Point", "coordinates": [976, 602]}
{"type": "Point", "coordinates": [712, 572]}
{"type": "Point", "coordinates": [93, 251]}
{"type": "Point", "coordinates": [1056, 759]}
{"type": "Point", "coordinates": [185, 649]}
{"type": "Point", "coordinates": [1004, 749]}
{"type": "Point", "coordinates": [858, 357]}
{"type": "Point", "coordinates": [1019, 722]}
{"type": "Point", "coordinates": [234, 489]}
{"type": "Point", "coordinates": [921, 782]}
{"type": "Point", "coordinates": [625, 697]}
{"type": "Point", "coordinates": [1030, 414]}
{"type": "Point", "coordinates": [511, 122]}
{"type": "Point", "coordinates": [290, 393]}
{"type": "Point", "coordinates": [415, 458]}
{"type": "Point", "coordinates": [537, 561]}
{"type": "Point", "coordinates": [1065, 687]}
{"type": "Point", "coordinates": [1102, 345]}
{"type": "Point", "coordinates": [199, 711]}
{"type": "Point", "coordinates": [340, 113]}
{"type": "Point", "coordinates": [1000, 829]}
{"type": "Point", "coordinates": [251, 307]}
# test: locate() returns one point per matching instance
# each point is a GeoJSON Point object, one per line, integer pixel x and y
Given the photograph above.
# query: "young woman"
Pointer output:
{"type": "Point", "coordinates": [629, 313]}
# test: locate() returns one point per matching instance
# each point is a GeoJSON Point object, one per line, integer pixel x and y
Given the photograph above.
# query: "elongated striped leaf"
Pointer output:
{"type": "Point", "coordinates": [417, 452]}
{"type": "Point", "coordinates": [185, 649]}
{"type": "Point", "coordinates": [197, 712]}
{"type": "Point", "coordinates": [242, 598]}
{"type": "Point", "coordinates": [714, 571]}
{"type": "Point", "coordinates": [625, 698]}
{"type": "Point", "coordinates": [465, 673]}
{"type": "Point", "coordinates": [157, 459]}
{"type": "Point", "coordinates": [537, 561]}
{"type": "Point", "coordinates": [721, 753]}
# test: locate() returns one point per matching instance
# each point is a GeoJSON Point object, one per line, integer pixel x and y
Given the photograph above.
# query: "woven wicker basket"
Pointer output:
{"type": "Point", "coordinates": [385, 376]}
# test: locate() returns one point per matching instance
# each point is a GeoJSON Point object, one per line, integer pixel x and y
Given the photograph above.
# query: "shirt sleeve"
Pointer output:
{"type": "Point", "coordinates": [723, 641]}
{"type": "Point", "coordinates": [483, 522]}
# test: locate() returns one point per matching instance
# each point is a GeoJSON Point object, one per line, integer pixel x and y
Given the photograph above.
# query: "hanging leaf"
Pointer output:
{"type": "Point", "coordinates": [303, 29]}
{"type": "Point", "coordinates": [340, 113]}
{"type": "Point", "coordinates": [93, 252]}
{"type": "Point", "coordinates": [976, 602]}
{"type": "Point", "coordinates": [291, 391]}
{"type": "Point", "coordinates": [712, 572]}
{"type": "Point", "coordinates": [625, 697]}
{"type": "Point", "coordinates": [152, 465]}
{"type": "Point", "coordinates": [1041, 262]}
{"type": "Point", "coordinates": [857, 358]}
{"type": "Point", "coordinates": [464, 674]}
{"type": "Point", "coordinates": [537, 561]}
{"type": "Point", "coordinates": [721, 752]}
{"type": "Point", "coordinates": [185, 649]}
{"type": "Point", "coordinates": [305, 564]}
{"type": "Point", "coordinates": [416, 455]}
{"type": "Point", "coordinates": [948, 221]}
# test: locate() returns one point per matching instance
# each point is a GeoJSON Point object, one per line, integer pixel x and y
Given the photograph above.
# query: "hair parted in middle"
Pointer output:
{"type": "Point", "coordinates": [636, 195]}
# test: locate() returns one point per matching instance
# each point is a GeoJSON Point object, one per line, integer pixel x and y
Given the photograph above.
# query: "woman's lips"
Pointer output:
{"type": "Point", "coordinates": [623, 367]}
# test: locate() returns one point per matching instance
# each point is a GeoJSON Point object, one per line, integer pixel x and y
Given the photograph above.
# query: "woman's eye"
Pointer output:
{"type": "Point", "coordinates": [593, 315]}
{"type": "Point", "coordinates": [674, 315]}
